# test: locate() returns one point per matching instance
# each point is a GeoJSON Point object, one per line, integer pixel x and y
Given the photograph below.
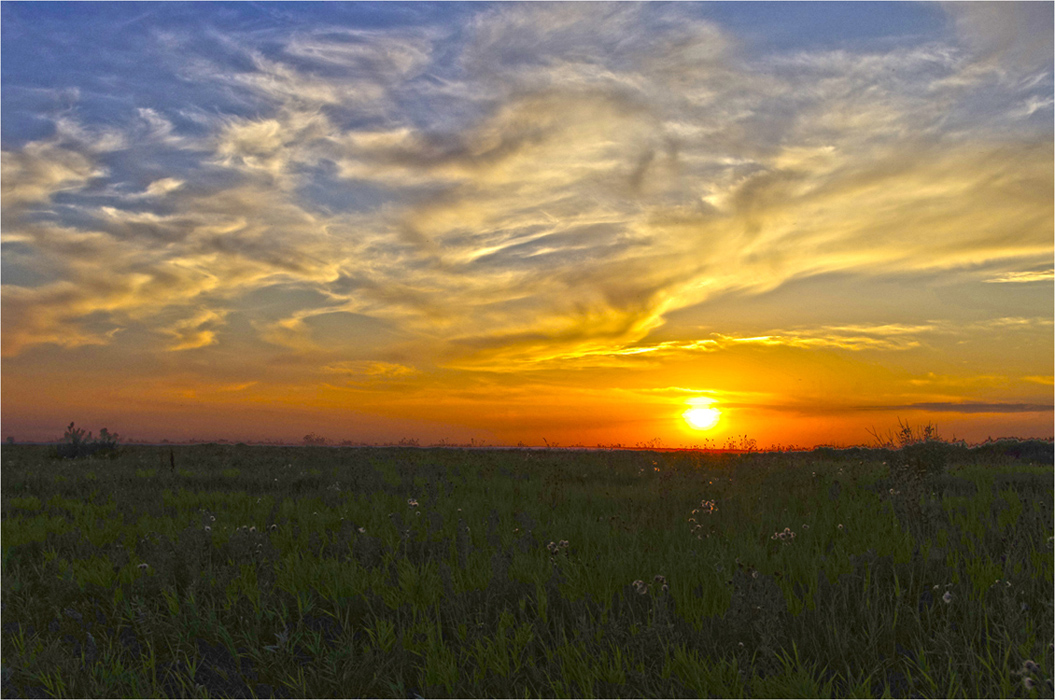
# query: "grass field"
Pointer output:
{"type": "Point", "coordinates": [400, 572]}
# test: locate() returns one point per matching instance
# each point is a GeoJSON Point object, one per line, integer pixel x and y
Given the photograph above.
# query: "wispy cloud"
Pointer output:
{"type": "Point", "coordinates": [195, 332]}
{"type": "Point", "coordinates": [1026, 276]}
{"type": "Point", "coordinates": [371, 369]}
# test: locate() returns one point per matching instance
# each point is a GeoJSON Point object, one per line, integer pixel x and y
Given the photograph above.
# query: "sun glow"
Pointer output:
{"type": "Point", "coordinates": [702, 418]}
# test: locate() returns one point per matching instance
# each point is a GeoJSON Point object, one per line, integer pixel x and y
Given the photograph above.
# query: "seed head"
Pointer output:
{"type": "Point", "coordinates": [947, 597]}
{"type": "Point", "coordinates": [143, 567]}
{"type": "Point", "coordinates": [1030, 667]}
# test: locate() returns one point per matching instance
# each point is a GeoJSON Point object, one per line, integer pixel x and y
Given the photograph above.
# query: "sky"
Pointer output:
{"type": "Point", "coordinates": [542, 223]}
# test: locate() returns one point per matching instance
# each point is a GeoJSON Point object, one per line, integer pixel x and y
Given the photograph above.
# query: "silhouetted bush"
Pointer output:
{"type": "Point", "coordinates": [918, 454]}
{"type": "Point", "coordinates": [76, 444]}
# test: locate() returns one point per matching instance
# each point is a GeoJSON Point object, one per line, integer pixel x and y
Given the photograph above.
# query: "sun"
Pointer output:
{"type": "Point", "coordinates": [702, 418]}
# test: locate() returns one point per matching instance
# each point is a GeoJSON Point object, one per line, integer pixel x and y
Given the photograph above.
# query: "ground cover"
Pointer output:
{"type": "Point", "coordinates": [241, 571]}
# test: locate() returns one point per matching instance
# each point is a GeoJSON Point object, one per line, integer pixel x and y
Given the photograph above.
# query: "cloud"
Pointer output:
{"type": "Point", "coordinates": [1022, 277]}
{"type": "Point", "coordinates": [1013, 34]}
{"type": "Point", "coordinates": [39, 170]}
{"type": "Point", "coordinates": [371, 369]}
{"type": "Point", "coordinates": [967, 407]}
{"type": "Point", "coordinates": [195, 332]}
{"type": "Point", "coordinates": [159, 188]}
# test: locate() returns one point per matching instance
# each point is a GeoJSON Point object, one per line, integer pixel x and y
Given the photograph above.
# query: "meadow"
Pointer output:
{"type": "Point", "coordinates": [243, 571]}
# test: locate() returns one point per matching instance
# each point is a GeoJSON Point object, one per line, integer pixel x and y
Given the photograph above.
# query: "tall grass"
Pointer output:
{"type": "Point", "coordinates": [304, 572]}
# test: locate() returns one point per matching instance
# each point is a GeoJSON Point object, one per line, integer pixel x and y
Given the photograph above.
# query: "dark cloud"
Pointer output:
{"type": "Point", "coordinates": [959, 407]}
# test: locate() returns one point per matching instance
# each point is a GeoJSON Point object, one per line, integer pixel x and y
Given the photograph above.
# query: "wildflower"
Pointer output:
{"type": "Point", "coordinates": [1030, 667]}
{"type": "Point", "coordinates": [212, 518]}
{"type": "Point", "coordinates": [659, 579]}
{"type": "Point", "coordinates": [1028, 682]}
{"type": "Point", "coordinates": [840, 526]}
{"type": "Point", "coordinates": [665, 588]}
{"type": "Point", "coordinates": [362, 530]}
{"type": "Point", "coordinates": [143, 567]}
{"type": "Point", "coordinates": [208, 529]}
{"type": "Point", "coordinates": [252, 529]}
{"type": "Point", "coordinates": [563, 544]}
{"type": "Point", "coordinates": [947, 597]}
{"type": "Point", "coordinates": [412, 502]}
{"type": "Point", "coordinates": [754, 574]}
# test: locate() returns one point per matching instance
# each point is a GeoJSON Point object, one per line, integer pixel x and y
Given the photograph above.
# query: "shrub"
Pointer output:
{"type": "Point", "coordinates": [76, 444]}
{"type": "Point", "coordinates": [918, 454]}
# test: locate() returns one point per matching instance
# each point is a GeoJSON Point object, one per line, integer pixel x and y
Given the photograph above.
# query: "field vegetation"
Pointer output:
{"type": "Point", "coordinates": [921, 570]}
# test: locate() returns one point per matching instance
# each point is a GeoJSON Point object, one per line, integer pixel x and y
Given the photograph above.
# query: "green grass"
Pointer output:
{"type": "Point", "coordinates": [308, 572]}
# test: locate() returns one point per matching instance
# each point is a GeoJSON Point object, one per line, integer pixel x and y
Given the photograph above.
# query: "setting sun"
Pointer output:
{"type": "Point", "coordinates": [702, 418]}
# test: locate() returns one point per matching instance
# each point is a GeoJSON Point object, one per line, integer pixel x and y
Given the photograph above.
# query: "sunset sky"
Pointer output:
{"type": "Point", "coordinates": [537, 223]}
